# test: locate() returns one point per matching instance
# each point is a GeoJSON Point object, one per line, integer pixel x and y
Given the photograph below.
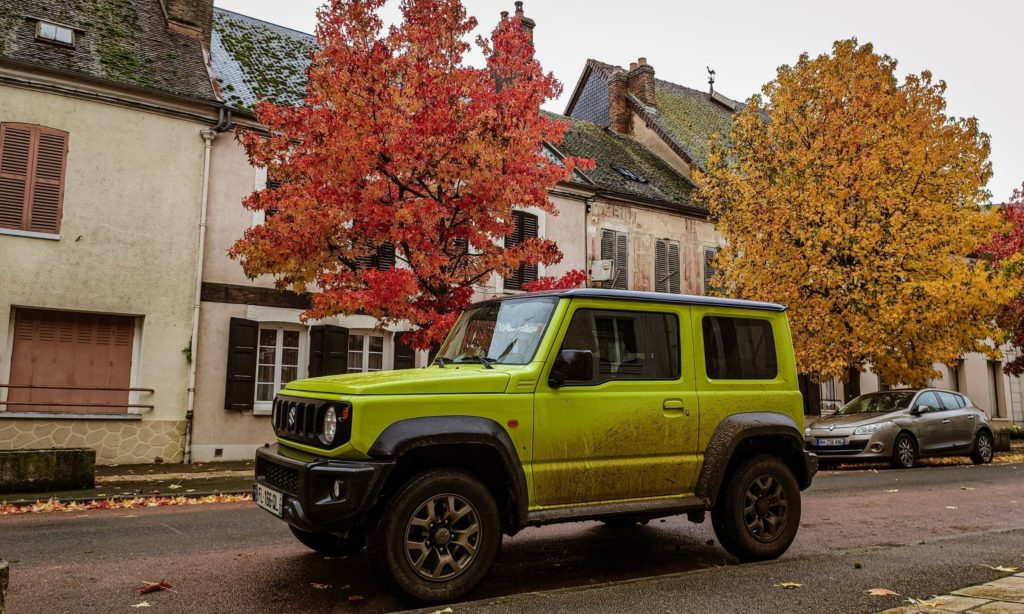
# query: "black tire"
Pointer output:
{"type": "Point", "coordinates": [742, 529]}
{"type": "Point", "coordinates": [331, 545]}
{"type": "Point", "coordinates": [984, 447]}
{"type": "Point", "coordinates": [421, 512]}
{"type": "Point", "coordinates": [904, 451]}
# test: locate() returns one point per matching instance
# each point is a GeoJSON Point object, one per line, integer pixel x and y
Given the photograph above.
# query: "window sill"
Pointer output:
{"type": "Point", "coordinates": [46, 415]}
{"type": "Point", "coordinates": [29, 234]}
{"type": "Point", "coordinates": [262, 411]}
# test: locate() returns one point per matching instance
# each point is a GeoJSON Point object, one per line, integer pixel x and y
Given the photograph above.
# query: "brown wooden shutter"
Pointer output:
{"type": "Point", "coordinates": [15, 157]}
{"type": "Point", "coordinates": [48, 184]}
{"type": "Point", "coordinates": [673, 268]}
{"type": "Point", "coordinates": [405, 355]}
{"type": "Point", "coordinates": [328, 350]}
{"type": "Point", "coordinates": [709, 268]}
{"type": "Point", "coordinates": [661, 273]}
{"type": "Point", "coordinates": [32, 161]}
{"type": "Point", "coordinates": [621, 261]}
{"type": "Point", "coordinates": [240, 387]}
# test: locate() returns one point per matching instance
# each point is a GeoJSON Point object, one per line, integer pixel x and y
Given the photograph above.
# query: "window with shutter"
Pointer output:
{"type": "Point", "coordinates": [709, 268]}
{"type": "Point", "coordinates": [240, 387]}
{"type": "Point", "coordinates": [32, 165]}
{"type": "Point", "coordinates": [615, 247]}
{"type": "Point", "coordinates": [383, 260]}
{"type": "Point", "coordinates": [666, 266]}
{"type": "Point", "coordinates": [526, 227]}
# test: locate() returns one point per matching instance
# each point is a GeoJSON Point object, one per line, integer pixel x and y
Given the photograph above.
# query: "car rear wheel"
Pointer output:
{"type": "Point", "coordinates": [758, 510]}
{"type": "Point", "coordinates": [437, 536]}
{"type": "Point", "coordinates": [331, 545]}
{"type": "Point", "coordinates": [983, 449]}
{"type": "Point", "coordinates": [904, 452]}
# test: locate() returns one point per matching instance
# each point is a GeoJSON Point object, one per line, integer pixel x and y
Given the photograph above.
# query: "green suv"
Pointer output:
{"type": "Point", "coordinates": [542, 408]}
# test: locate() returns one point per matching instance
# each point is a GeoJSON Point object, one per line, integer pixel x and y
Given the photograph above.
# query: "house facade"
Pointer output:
{"type": "Point", "coordinates": [101, 185]}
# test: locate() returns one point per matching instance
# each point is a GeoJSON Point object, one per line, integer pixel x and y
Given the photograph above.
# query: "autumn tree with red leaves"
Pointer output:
{"type": "Point", "coordinates": [1006, 254]}
{"type": "Point", "coordinates": [401, 147]}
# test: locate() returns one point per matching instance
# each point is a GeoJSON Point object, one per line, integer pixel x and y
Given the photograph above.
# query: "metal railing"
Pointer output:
{"type": "Point", "coordinates": [9, 402]}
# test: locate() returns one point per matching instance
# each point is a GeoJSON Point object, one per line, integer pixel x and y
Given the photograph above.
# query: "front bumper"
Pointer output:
{"type": "Point", "coordinates": [306, 483]}
{"type": "Point", "coordinates": [873, 447]}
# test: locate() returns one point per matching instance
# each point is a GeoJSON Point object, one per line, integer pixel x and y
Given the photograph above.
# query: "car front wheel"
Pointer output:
{"type": "Point", "coordinates": [758, 511]}
{"type": "Point", "coordinates": [438, 536]}
{"type": "Point", "coordinates": [904, 452]}
{"type": "Point", "coordinates": [983, 448]}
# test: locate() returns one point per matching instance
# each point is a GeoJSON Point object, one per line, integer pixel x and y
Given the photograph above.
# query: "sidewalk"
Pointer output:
{"type": "Point", "coordinates": [1003, 596]}
{"type": "Point", "coordinates": [117, 482]}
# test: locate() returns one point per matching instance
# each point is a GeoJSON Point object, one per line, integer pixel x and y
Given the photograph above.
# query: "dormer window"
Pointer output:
{"type": "Point", "coordinates": [53, 33]}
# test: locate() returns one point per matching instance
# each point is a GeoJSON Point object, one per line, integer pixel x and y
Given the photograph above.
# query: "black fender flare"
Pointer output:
{"type": "Point", "coordinates": [733, 431]}
{"type": "Point", "coordinates": [405, 435]}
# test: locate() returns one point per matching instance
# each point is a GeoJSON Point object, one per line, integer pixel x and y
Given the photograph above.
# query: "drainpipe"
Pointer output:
{"type": "Point", "coordinates": [208, 136]}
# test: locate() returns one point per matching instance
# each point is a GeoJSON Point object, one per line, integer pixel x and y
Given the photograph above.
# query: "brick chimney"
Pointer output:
{"type": "Point", "coordinates": [190, 17]}
{"type": "Point", "coordinates": [528, 24]}
{"type": "Point", "coordinates": [640, 81]}
{"type": "Point", "coordinates": [618, 111]}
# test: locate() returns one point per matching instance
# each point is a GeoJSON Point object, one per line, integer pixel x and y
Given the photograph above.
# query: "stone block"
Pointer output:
{"type": "Point", "coordinates": [52, 469]}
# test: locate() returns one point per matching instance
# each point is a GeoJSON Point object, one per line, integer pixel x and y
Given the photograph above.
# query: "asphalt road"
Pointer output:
{"type": "Point", "coordinates": [922, 531]}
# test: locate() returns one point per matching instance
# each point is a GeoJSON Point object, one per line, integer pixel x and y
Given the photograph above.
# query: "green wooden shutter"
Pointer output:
{"type": "Point", "coordinates": [240, 387]}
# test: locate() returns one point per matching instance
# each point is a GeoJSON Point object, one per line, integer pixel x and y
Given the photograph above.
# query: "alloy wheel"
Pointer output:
{"type": "Point", "coordinates": [442, 537]}
{"type": "Point", "coordinates": [765, 508]}
{"type": "Point", "coordinates": [905, 451]}
{"type": "Point", "coordinates": [985, 448]}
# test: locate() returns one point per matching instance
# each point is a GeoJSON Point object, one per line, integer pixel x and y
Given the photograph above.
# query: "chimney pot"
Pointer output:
{"type": "Point", "coordinates": [504, 15]}
{"type": "Point", "coordinates": [641, 81]}
{"type": "Point", "coordinates": [632, 65]}
{"type": "Point", "coordinates": [519, 8]}
{"type": "Point", "coordinates": [642, 61]}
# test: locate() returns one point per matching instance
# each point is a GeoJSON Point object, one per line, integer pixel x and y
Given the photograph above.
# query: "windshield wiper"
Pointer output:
{"type": "Point", "coordinates": [440, 361]}
{"type": "Point", "coordinates": [487, 362]}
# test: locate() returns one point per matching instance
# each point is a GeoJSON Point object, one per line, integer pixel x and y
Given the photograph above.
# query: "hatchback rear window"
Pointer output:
{"type": "Point", "coordinates": [739, 348]}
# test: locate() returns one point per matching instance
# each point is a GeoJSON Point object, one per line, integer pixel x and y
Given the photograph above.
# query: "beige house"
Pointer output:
{"type": "Point", "coordinates": [102, 128]}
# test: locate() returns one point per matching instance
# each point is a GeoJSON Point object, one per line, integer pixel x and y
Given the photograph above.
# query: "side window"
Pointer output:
{"type": "Point", "coordinates": [627, 345]}
{"type": "Point", "coordinates": [739, 348]}
{"type": "Point", "coordinates": [929, 400]}
{"type": "Point", "coordinates": [949, 400]}
{"type": "Point", "coordinates": [962, 400]}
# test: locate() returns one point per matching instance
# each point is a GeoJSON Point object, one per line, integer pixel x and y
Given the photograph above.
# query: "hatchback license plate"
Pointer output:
{"type": "Point", "coordinates": [835, 441]}
{"type": "Point", "coordinates": [268, 499]}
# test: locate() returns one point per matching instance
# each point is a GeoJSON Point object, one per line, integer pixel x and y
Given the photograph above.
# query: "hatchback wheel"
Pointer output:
{"type": "Point", "coordinates": [758, 510]}
{"type": "Point", "coordinates": [438, 536]}
{"type": "Point", "coordinates": [983, 447]}
{"type": "Point", "coordinates": [904, 452]}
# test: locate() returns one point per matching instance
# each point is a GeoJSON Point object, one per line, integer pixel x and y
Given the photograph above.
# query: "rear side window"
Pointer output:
{"type": "Point", "coordinates": [950, 400]}
{"type": "Point", "coordinates": [739, 348]}
{"type": "Point", "coordinates": [627, 345]}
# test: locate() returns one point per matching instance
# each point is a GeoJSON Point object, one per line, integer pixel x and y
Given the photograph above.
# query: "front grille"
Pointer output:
{"type": "Point", "coordinates": [282, 478]}
{"type": "Point", "coordinates": [300, 420]}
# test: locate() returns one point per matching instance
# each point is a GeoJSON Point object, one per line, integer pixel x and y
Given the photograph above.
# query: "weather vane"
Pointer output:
{"type": "Point", "coordinates": [711, 79]}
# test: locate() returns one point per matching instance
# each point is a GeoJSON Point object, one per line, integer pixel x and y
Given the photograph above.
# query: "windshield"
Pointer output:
{"type": "Point", "coordinates": [504, 332]}
{"type": "Point", "coordinates": [878, 403]}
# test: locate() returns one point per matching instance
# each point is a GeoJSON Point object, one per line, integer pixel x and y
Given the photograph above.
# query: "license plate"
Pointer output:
{"type": "Point", "coordinates": [834, 441]}
{"type": "Point", "coordinates": [269, 500]}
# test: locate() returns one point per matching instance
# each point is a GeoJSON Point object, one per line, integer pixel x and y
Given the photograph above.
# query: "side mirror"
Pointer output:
{"type": "Point", "coordinates": [572, 365]}
{"type": "Point", "coordinates": [920, 409]}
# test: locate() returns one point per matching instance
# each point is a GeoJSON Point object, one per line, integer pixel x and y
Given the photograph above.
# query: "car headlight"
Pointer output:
{"type": "Point", "coordinates": [330, 426]}
{"type": "Point", "coordinates": [807, 432]}
{"type": "Point", "coordinates": [867, 429]}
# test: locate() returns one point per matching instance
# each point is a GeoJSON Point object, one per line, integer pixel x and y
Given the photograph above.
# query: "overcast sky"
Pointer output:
{"type": "Point", "coordinates": [976, 47]}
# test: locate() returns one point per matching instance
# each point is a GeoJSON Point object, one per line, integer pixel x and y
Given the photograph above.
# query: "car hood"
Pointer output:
{"type": "Point", "coordinates": [852, 420]}
{"type": "Point", "coordinates": [452, 379]}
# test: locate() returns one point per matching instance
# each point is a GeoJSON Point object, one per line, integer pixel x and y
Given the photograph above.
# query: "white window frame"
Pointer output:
{"type": "Point", "coordinates": [387, 360]}
{"type": "Point", "coordinates": [302, 369]}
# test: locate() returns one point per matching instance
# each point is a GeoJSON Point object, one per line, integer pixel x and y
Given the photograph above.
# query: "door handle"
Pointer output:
{"type": "Point", "coordinates": [946, 421]}
{"type": "Point", "coordinates": [970, 417]}
{"type": "Point", "coordinates": [675, 406]}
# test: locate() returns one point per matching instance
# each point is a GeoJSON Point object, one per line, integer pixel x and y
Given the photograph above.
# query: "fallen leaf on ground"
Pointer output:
{"type": "Point", "coordinates": [872, 470]}
{"type": "Point", "coordinates": [789, 585]}
{"type": "Point", "coordinates": [320, 587]}
{"type": "Point", "coordinates": [881, 592]}
{"type": "Point", "coordinates": [444, 611]}
{"type": "Point", "coordinates": [952, 507]}
{"type": "Point", "coordinates": [1005, 568]}
{"type": "Point", "coordinates": [893, 490]}
{"type": "Point", "coordinates": [174, 486]}
{"type": "Point", "coordinates": [54, 505]}
{"type": "Point", "coordinates": [141, 604]}
{"type": "Point", "coordinates": [966, 488]}
{"type": "Point", "coordinates": [925, 603]}
{"type": "Point", "coordinates": [355, 597]}
{"type": "Point", "coordinates": [152, 587]}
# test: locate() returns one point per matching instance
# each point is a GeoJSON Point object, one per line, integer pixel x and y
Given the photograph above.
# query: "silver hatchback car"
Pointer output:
{"type": "Point", "coordinates": [901, 426]}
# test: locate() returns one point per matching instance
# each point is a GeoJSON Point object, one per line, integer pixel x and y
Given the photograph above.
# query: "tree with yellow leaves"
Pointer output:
{"type": "Point", "coordinates": [853, 198]}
